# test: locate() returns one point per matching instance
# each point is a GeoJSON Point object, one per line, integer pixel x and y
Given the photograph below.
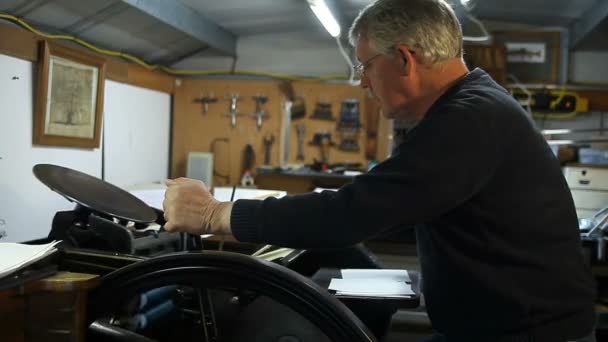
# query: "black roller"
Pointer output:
{"type": "Point", "coordinates": [94, 193]}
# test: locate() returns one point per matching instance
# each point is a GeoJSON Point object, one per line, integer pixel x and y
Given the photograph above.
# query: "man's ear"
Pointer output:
{"type": "Point", "coordinates": [407, 59]}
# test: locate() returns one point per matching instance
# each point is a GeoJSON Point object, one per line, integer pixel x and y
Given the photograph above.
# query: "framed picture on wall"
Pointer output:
{"type": "Point", "coordinates": [69, 101]}
{"type": "Point", "coordinates": [531, 56]}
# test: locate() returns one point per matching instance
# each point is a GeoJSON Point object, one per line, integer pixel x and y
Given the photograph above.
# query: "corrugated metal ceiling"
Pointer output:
{"type": "Point", "coordinates": [109, 24]}
{"type": "Point", "coordinates": [119, 25]}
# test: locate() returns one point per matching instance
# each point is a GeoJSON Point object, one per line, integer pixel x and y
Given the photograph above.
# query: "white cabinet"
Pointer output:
{"type": "Point", "coordinates": [589, 187]}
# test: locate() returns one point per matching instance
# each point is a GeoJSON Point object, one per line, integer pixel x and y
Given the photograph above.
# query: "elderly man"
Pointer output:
{"type": "Point", "coordinates": [496, 227]}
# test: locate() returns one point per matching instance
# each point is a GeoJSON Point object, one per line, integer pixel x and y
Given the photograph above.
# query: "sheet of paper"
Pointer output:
{"type": "Point", "coordinates": [152, 197]}
{"type": "Point", "coordinates": [323, 189]}
{"type": "Point", "coordinates": [371, 287]}
{"type": "Point", "coordinates": [396, 275]}
{"type": "Point", "coordinates": [352, 173]}
{"type": "Point", "coordinates": [15, 256]}
{"type": "Point", "coordinates": [224, 193]}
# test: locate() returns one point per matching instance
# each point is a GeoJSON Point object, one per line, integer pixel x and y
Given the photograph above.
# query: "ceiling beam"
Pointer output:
{"type": "Point", "coordinates": [28, 7]}
{"type": "Point", "coordinates": [181, 57]}
{"type": "Point", "coordinates": [97, 18]}
{"type": "Point", "coordinates": [585, 24]}
{"type": "Point", "coordinates": [186, 20]}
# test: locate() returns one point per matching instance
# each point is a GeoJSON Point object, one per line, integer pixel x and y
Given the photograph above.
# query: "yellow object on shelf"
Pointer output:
{"type": "Point", "coordinates": [552, 103]}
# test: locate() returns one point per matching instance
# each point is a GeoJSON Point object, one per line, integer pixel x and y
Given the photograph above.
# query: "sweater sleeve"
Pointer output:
{"type": "Point", "coordinates": [443, 162]}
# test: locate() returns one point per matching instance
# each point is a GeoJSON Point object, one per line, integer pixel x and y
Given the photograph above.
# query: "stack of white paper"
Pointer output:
{"type": "Point", "coordinates": [372, 282]}
{"type": "Point", "coordinates": [16, 256]}
{"type": "Point", "coordinates": [319, 190]}
{"type": "Point", "coordinates": [356, 273]}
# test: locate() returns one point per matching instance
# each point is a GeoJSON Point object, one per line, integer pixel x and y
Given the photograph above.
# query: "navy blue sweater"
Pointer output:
{"type": "Point", "coordinates": [496, 226]}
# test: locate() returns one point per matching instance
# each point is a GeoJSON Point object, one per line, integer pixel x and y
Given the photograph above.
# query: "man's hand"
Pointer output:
{"type": "Point", "coordinates": [190, 207]}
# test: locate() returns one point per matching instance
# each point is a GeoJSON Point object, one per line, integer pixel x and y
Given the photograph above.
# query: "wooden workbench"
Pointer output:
{"type": "Point", "coordinates": [300, 182]}
{"type": "Point", "coordinates": [50, 309]}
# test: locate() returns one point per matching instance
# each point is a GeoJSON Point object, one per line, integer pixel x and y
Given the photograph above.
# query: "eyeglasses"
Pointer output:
{"type": "Point", "coordinates": [360, 68]}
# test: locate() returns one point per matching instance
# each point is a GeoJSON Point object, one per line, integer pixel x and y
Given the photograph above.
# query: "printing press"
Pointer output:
{"type": "Point", "coordinates": [158, 286]}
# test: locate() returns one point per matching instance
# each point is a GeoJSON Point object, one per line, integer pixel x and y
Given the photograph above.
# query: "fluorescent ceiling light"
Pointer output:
{"type": "Point", "coordinates": [464, 2]}
{"type": "Point", "coordinates": [556, 131]}
{"type": "Point", "coordinates": [560, 142]}
{"type": "Point", "coordinates": [320, 9]}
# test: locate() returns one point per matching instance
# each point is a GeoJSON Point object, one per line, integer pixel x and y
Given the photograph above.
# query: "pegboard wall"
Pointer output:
{"type": "Point", "coordinates": [196, 131]}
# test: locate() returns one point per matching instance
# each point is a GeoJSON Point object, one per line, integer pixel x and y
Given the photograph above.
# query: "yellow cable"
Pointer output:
{"type": "Point", "coordinates": [162, 67]}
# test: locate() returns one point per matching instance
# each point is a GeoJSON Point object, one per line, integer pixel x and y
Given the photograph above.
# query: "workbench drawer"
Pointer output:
{"type": "Point", "coordinates": [586, 178]}
{"type": "Point", "coordinates": [585, 213]}
{"type": "Point", "coordinates": [589, 199]}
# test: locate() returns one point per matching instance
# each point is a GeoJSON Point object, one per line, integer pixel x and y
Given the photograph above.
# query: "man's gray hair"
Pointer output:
{"type": "Point", "coordinates": [429, 27]}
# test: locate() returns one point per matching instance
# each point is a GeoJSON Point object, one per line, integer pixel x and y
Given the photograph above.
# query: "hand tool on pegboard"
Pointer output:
{"type": "Point", "coordinates": [300, 129]}
{"type": "Point", "coordinates": [206, 100]}
{"type": "Point", "coordinates": [248, 159]}
{"type": "Point", "coordinates": [323, 111]}
{"type": "Point", "coordinates": [348, 125]}
{"type": "Point", "coordinates": [372, 117]}
{"type": "Point", "coordinates": [260, 114]}
{"type": "Point", "coordinates": [268, 141]}
{"type": "Point", "coordinates": [232, 108]}
{"type": "Point", "coordinates": [323, 140]}
{"type": "Point", "coordinates": [298, 105]}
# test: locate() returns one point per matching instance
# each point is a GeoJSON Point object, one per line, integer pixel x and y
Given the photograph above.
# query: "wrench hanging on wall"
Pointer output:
{"type": "Point", "coordinates": [268, 141]}
{"type": "Point", "coordinates": [300, 128]}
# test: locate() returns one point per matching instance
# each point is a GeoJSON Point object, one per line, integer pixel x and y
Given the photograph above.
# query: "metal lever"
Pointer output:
{"type": "Point", "coordinates": [207, 315]}
{"type": "Point", "coordinates": [599, 213]}
{"type": "Point", "coordinates": [601, 226]}
{"type": "Point", "coordinates": [598, 230]}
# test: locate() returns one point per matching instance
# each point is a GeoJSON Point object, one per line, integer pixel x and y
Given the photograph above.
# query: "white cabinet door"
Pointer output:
{"type": "Point", "coordinates": [590, 199]}
{"type": "Point", "coordinates": [137, 125]}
